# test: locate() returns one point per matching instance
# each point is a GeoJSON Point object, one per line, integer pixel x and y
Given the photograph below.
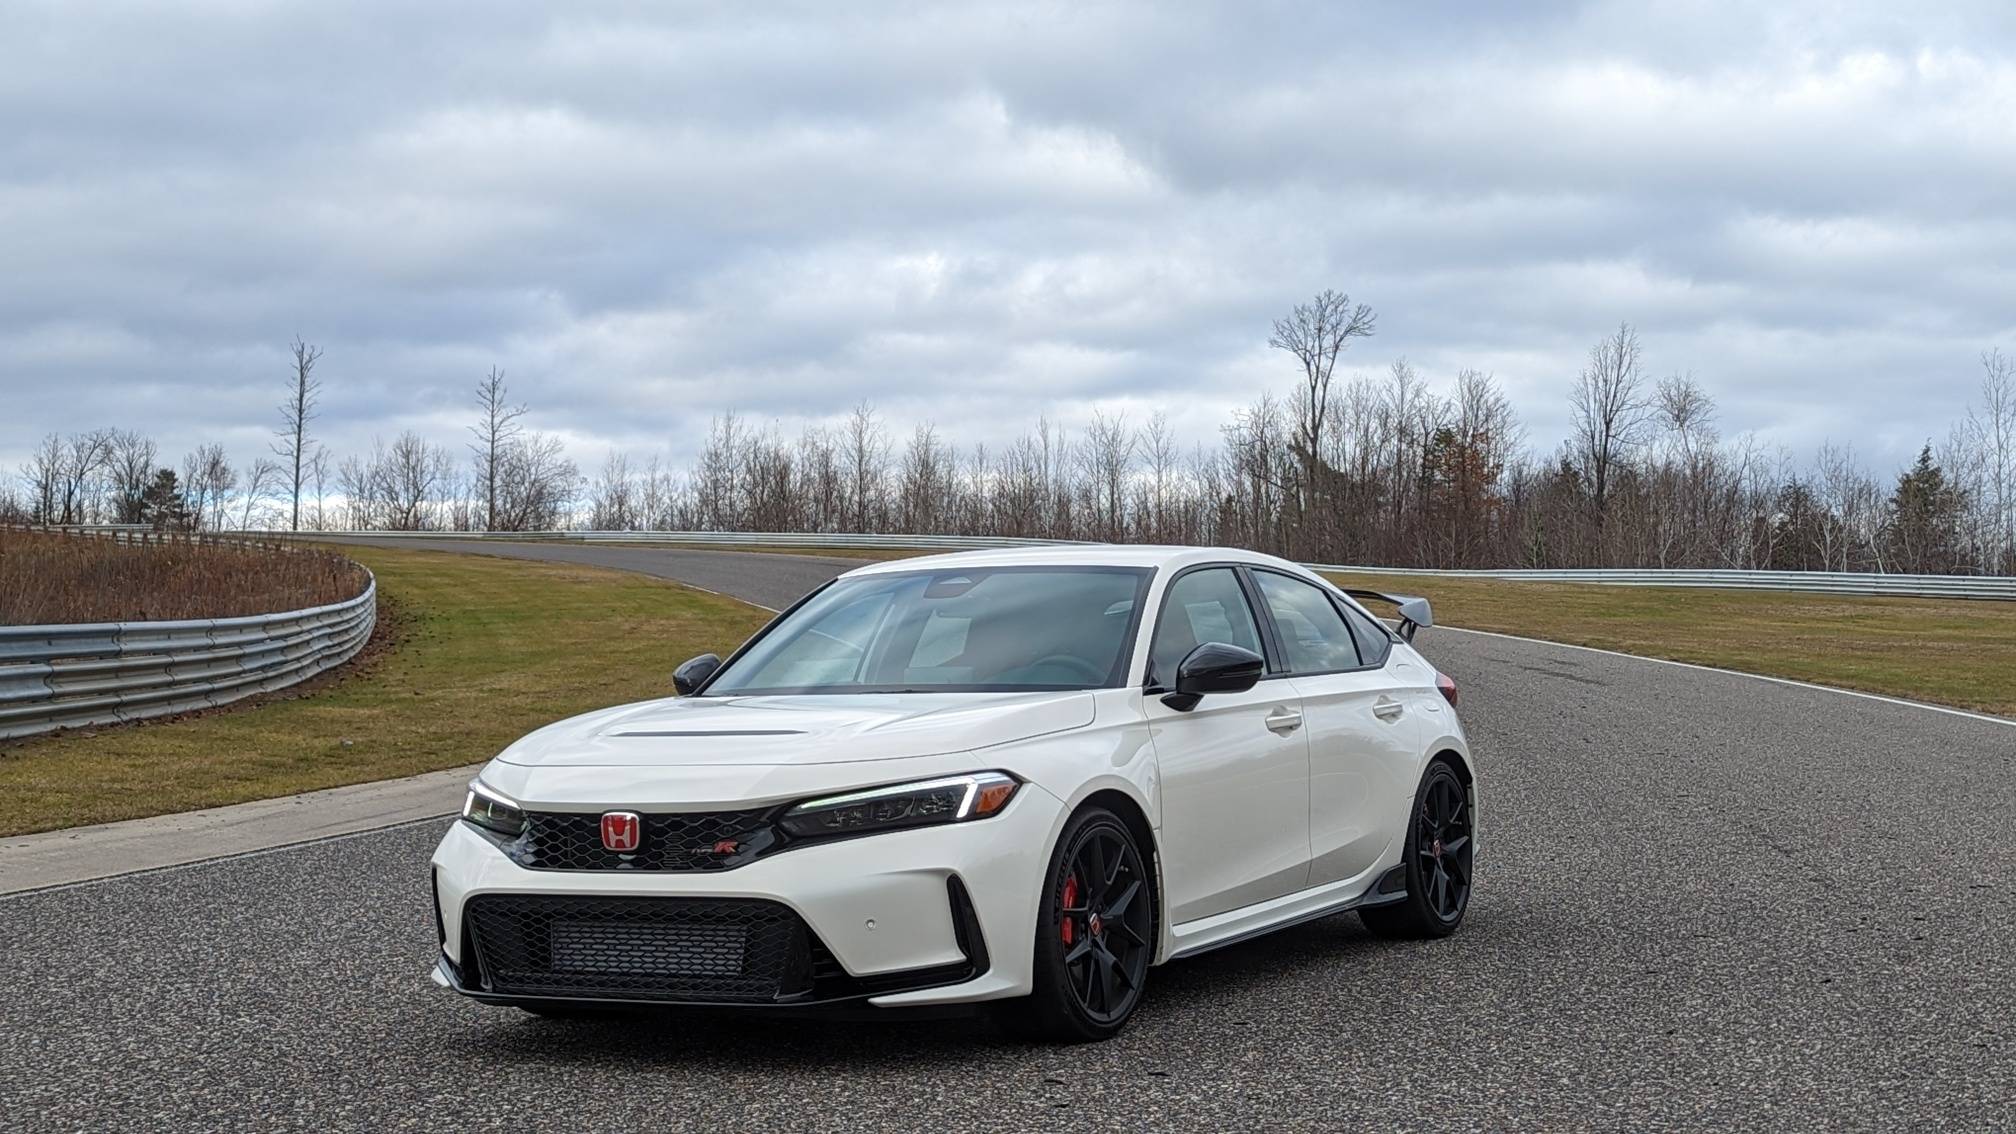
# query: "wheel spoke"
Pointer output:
{"type": "Point", "coordinates": [1079, 950]}
{"type": "Point", "coordinates": [1103, 964]}
{"type": "Point", "coordinates": [1133, 934]}
{"type": "Point", "coordinates": [1118, 908]}
{"type": "Point", "coordinates": [1455, 846]}
{"type": "Point", "coordinates": [1095, 857]}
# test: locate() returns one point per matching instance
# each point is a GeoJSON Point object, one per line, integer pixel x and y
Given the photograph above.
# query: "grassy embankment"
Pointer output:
{"type": "Point", "coordinates": [1947, 652]}
{"type": "Point", "coordinates": [484, 650]}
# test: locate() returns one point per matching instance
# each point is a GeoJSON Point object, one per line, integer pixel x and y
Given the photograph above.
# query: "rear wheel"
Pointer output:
{"type": "Point", "coordinates": [1095, 934]}
{"type": "Point", "coordinates": [1438, 860]}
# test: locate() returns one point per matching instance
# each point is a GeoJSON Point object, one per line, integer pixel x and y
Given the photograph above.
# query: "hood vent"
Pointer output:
{"type": "Point", "coordinates": [716, 732]}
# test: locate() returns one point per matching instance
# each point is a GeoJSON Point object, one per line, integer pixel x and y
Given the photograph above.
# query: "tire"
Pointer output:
{"type": "Point", "coordinates": [1439, 859]}
{"type": "Point", "coordinates": [1094, 941]}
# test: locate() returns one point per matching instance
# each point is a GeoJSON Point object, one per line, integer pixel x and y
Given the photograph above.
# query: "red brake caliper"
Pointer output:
{"type": "Point", "coordinates": [1064, 926]}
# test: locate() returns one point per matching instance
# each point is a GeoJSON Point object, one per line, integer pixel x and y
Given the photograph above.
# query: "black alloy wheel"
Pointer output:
{"type": "Point", "coordinates": [1438, 858]}
{"type": "Point", "coordinates": [1095, 935]}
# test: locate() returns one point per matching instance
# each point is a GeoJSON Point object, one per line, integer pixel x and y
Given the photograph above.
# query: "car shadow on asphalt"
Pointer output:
{"type": "Point", "coordinates": [1216, 983]}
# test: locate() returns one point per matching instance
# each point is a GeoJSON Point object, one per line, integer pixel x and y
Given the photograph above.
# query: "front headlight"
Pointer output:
{"type": "Point", "coordinates": [954, 799]}
{"type": "Point", "coordinates": [493, 812]}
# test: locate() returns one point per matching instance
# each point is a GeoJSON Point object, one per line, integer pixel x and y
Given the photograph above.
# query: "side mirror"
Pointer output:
{"type": "Point", "coordinates": [694, 673]}
{"type": "Point", "coordinates": [1214, 667]}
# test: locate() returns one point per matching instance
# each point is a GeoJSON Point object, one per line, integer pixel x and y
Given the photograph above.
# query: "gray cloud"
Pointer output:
{"type": "Point", "coordinates": [981, 214]}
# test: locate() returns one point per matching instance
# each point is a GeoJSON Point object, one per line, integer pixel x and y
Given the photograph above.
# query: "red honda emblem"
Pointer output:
{"type": "Point", "coordinates": [622, 831]}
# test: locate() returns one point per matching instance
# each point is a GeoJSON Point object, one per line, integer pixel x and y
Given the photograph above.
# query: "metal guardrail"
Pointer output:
{"type": "Point", "coordinates": [109, 672]}
{"type": "Point", "coordinates": [1820, 582]}
{"type": "Point", "coordinates": [1815, 582]}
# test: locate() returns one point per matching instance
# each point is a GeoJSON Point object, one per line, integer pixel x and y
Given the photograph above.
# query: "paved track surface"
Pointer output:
{"type": "Point", "coordinates": [1704, 902]}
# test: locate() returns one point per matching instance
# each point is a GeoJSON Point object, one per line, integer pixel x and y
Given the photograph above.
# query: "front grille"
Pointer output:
{"type": "Point", "coordinates": [672, 841]}
{"type": "Point", "coordinates": [738, 950]}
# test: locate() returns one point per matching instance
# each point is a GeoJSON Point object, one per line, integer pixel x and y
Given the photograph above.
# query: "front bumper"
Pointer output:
{"type": "Point", "coordinates": [934, 915]}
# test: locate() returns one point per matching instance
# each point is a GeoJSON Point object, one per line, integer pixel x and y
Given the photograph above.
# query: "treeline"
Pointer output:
{"type": "Point", "coordinates": [1384, 470]}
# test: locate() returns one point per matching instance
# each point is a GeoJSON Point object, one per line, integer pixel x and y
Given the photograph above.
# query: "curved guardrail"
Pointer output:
{"type": "Point", "coordinates": [55, 677]}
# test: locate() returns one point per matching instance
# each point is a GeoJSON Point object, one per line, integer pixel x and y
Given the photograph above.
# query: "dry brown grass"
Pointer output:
{"type": "Point", "coordinates": [51, 577]}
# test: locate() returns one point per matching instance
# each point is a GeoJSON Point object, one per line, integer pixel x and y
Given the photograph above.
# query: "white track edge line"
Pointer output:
{"type": "Point", "coordinates": [1794, 683]}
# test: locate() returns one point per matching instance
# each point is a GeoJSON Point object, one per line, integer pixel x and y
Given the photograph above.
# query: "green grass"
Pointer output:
{"type": "Point", "coordinates": [485, 650]}
{"type": "Point", "coordinates": [1961, 654]}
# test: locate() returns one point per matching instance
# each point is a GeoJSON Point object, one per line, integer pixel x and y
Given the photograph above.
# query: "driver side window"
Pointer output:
{"type": "Point", "coordinates": [832, 650]}
{"type": "Point", "coordinates": [1202, 606]}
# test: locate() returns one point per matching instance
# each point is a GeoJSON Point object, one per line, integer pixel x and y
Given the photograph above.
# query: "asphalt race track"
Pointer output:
{"type": "Point", "coordinates": [1704, 901]}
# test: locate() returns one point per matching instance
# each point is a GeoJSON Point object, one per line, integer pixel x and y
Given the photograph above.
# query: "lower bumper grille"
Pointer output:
{"type": "Point", "coordinates": [714, 950]}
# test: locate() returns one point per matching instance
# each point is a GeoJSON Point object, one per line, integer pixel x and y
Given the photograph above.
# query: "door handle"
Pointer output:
{"type": "Point", "coordinates": [1283, 721]}
{"type": "Point", "coordinates": [1387, 709]}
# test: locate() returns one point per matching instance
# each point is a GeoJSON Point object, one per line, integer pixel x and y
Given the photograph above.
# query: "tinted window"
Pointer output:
{"type": "Point", "coordinates": [1202, 606]}
{"type": "Point", "coordinates": [1313, 636]}
{"type": "Point", "coordinates": [988, 629]}
{"type": "Point", "coordinates": [1373, 641]}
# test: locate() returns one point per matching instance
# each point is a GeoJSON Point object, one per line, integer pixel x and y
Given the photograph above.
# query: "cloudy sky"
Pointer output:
{"type": "Point", "coordinates": [648, 214]}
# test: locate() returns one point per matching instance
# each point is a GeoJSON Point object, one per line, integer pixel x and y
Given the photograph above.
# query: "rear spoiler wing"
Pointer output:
{"type": "Point", "coordinates": [1415, 613]}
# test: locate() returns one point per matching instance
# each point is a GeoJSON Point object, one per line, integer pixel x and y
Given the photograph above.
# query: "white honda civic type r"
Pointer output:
{"type": "Point", "coordinates": [1019, 778]}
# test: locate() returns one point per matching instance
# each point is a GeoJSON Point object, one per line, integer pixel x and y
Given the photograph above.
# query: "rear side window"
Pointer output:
{"type": "Point", "coordinates": [1373, 641]}
{"type": "Point", "coordinates": [1314, 638]}
{"type": "Point", "coordinates": [1202, 606]}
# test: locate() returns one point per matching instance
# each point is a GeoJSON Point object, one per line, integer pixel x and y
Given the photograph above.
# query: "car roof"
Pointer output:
{"type": "Point", "coordinates": [1077, 555]}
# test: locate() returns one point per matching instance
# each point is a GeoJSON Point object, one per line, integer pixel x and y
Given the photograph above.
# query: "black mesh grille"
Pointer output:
{"type": "Point", "coordinates": [672, 949]}
{"type": "Point", "coordinates": [680, 840]}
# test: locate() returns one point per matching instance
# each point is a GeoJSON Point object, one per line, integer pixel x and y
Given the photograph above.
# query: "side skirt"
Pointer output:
{"type": "Point", "coordinates": [1390, 888]}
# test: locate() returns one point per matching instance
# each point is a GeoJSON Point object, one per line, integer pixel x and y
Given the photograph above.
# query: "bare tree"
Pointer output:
{"type": "Point", "coordinates": [1316, 333]}
{"type": "Point", "coordinates": [208, 479]}
{"type": "Point", "coordinates": [496, 429]}
{"type": "Point", "coordinates": [131, 460]}
{"type": "Point", "coordinates": [613, 503]}
{"type": "Point", "coordinates": [84, 457]}
{"type": "Point", "coordinates": [1610, 412]}
{"type": "Point", "coordinates": [864, 457]}
{"type": "Point", "coordinates": [318, 472]}
{"type": "Point", "coordinates": [303, 391]}
{"type": "Point", "coordinates": [43, 475]}
{"type": "Point", "coordinates": [1990, 435]}
{"type": "Point", "coordinates": [258, 483]}
{"type": "Point", "coordinates": [536, 484]}
{"type": "Point", "coordinates": [1157, 444]}
{"type": "Point", "coordinates": [1106, 458]}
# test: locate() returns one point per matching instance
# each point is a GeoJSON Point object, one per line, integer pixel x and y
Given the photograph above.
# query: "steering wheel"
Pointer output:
{"type": "Point", "coordinates": [1091, 673]}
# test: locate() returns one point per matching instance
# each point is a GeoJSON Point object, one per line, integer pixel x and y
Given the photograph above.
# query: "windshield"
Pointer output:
{"type": "Point", "coordinates": [996, 629]}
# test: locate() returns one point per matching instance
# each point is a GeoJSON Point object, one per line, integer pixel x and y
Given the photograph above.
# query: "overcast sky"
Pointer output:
{"type": "Point", "coordinates": [982, 213]}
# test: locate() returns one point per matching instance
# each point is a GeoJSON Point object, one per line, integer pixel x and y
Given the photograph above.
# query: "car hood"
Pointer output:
{"type": "Point", "coordinates": [779, 730]}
